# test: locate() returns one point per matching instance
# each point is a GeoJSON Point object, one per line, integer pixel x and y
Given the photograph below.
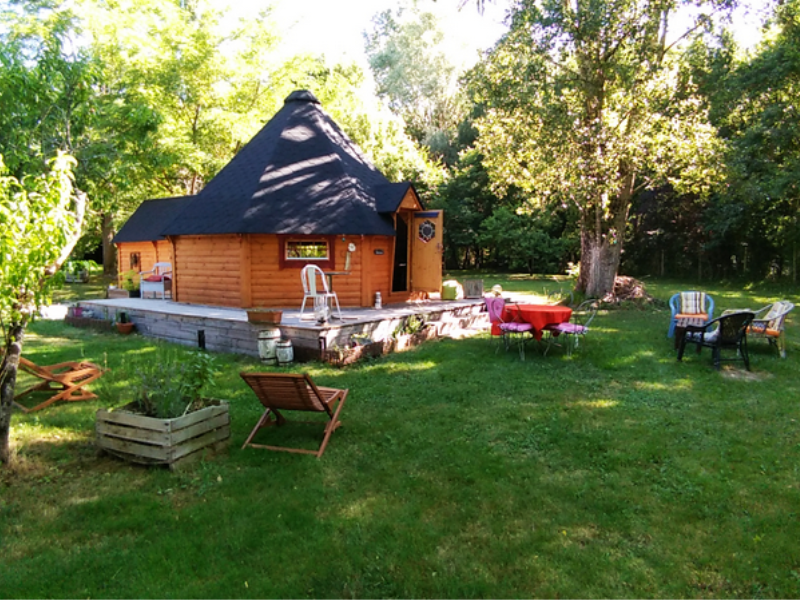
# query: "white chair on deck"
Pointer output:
{"type": "Point", "coordinates": [315, 286]}
{"type": "Point", "coordinates": [157, 280]}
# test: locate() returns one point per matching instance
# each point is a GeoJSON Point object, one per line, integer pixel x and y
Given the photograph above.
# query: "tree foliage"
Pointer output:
{"type": "Point", "coordinates": [40, 222]}
{"type": "Point", "coordinates": [153, 97]}
{"type": "Point", "coordinates": [415, 77]}
{"type": "Point", "coordinates": [587, 103]}
{"type": "Point", "coordinates": [755, 104]}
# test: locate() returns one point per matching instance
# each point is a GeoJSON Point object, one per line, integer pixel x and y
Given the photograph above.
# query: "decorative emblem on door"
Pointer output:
{"type": "Point", "coordinates": [427, 231]}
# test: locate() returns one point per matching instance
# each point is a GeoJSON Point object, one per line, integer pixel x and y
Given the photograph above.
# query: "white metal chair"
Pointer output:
{"type": "Point", "coordinates": [315, 286]}
{"type": "Point", "coordinates": [157, 280]}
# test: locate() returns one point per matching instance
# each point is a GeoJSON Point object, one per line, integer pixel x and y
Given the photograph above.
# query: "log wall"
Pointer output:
{"type": "Point", "coordinates": [149, 254]}
{"type": "Point", "coordinates": [244, 270]}
{"type": "Point", "coordinates": [208, 269]}
{"type": "Point", "coordinates": [273, 286]}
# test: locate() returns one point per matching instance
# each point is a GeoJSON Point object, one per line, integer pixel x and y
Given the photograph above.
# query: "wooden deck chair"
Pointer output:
{"type": "Point", "coordinates": [292, 391]}
{"type": "Point", "coordinates": [67, 379]}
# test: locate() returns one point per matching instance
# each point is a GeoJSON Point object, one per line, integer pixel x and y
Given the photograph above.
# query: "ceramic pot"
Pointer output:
{"type": "Point", "coordinates": [125, 328]}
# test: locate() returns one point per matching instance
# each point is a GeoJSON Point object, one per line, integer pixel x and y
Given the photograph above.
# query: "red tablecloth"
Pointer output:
{"type": "Point", "coordinates": [537, 315]}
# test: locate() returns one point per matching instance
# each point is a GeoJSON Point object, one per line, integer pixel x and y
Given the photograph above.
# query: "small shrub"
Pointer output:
{"type": "Point", "coordinates": [171, 388]}
{"type": "Point", "coordinates": [130, 281]}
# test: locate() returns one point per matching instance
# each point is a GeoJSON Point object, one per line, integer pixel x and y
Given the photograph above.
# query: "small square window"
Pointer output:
{"type": "Point", "coordinates": [135, 260]}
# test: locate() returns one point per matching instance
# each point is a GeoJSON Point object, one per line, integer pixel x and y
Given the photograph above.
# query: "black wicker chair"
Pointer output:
{"type": "Point", "coordinates": [726, 332]}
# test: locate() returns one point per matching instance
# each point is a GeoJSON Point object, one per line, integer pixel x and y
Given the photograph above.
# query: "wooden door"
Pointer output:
{"type": "Point", "coordinates": [426, 251]}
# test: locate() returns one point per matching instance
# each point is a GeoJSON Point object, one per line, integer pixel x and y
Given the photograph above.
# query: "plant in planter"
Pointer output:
{"type": "Point", "coordinates": [169, 419]}
{"type": "Point", "coordinates": [130, 283]}
{"type": "Point", "coordinates": [413, 331]}
{"type": "Point", "coordinates": [123, 323]}
{"type": "Point", "coordinates": [77, 271]}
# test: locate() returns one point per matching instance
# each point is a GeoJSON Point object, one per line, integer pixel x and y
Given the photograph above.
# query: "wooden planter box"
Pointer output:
{"type": "Point", "coordinates": [90, 322]}
{"type": "Point", "coordinates": [152, 441]}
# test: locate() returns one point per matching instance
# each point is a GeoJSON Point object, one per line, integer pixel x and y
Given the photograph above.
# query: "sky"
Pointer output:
{"type": "Point", "coordinates": [335, 28]}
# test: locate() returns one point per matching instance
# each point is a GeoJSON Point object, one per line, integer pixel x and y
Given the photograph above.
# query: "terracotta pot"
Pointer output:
{"type": "Point", "coordinates": [125, 328]}
{"type": "Point", "coordinates": [264, 315]}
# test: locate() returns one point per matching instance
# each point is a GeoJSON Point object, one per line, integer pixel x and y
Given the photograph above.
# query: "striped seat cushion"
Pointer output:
{"type": "Point", "coordinates": [693, 303]}
{"type": "Point", "coordinates": [699, 315]}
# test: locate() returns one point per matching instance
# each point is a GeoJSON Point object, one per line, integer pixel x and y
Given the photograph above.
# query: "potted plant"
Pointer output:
{"type": "Point", "coordinates": [412, 332]}
{"type": "Point", "coordinates": [77, 271]}
{"type": "Point", "coordinates": [169, 421]}
{"type": "Point", "coordinates": [123, 323]}
{"type": "Point", "coordinates": [130, 283]}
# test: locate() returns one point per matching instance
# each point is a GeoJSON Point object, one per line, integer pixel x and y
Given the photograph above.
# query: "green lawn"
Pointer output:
{"type": "Point", "coordinates": [459, 472]}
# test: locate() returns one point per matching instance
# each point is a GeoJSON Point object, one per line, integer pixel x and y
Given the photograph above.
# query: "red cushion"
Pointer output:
{"type": "Point", "coordinates": [154, 278]}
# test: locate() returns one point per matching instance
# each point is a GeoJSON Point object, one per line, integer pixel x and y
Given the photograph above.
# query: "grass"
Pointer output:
{"type": "Point", "coordinates": [94, 289]}
{"type": "Point", "coordinates": [459, 472]}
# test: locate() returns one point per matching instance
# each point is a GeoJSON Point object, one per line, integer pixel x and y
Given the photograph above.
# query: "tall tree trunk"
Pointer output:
{"type": "Point", "coordinates": [602, 231]}
{"type": "Point", "coordinates": [109, 252]}
{"type": "Point", "coordinates": [8, 382]}
{"type": "Point", "coordinates": [599, 265]}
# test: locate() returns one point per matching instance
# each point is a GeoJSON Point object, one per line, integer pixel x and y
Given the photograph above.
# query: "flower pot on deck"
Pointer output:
{"type": "Point", "coordinates": [264, 315]}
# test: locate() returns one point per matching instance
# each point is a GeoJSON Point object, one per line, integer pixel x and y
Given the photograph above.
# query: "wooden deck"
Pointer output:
{"type": "Point", "coordinates": [224, 329]}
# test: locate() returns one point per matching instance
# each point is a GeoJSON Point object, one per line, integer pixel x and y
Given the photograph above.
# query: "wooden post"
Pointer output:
{"type": "Point", "coordinates": [366, 271]}
{"type": "Point", "coordinates": [175, 286]}
{"type": "Point", "coordinates": [246, 292]}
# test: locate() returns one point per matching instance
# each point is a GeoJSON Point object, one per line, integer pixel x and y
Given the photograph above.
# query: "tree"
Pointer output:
{"type": "Point", "coordinates": [755, 102]}
{"type": "Point", "coordinates": [40, 221]}
{"type": "Point", "coordinates": [415, 77]}
{"type": "Point", "coordinates": [52, 99]}
{"type": "Point", "coordinates": [178, 94]}
{"type": "Point", "coordinates": [587, 104]}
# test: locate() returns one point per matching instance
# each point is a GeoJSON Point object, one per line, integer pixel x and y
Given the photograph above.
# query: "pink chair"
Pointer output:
{"type": "Point", "coordinates": [572, 331]}
{"type": "Point", "coordinates": [495, 307]}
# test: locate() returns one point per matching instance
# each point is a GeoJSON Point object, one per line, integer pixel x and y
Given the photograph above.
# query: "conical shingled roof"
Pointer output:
{"type": "Point", "coordinates": [299, 175]}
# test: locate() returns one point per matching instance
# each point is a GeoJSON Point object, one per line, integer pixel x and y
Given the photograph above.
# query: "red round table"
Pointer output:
{"type": "Point", "coordinates": [537, 315]}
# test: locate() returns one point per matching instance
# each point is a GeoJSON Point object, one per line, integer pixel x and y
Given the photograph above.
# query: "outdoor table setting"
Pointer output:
{"type": "Point", "coordinates": [329, 275]}
{"type": "Point", "coordinates": [538, 315]}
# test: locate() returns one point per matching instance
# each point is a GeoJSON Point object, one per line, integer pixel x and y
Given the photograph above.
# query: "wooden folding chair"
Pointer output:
{"type": "Point", "coordinates": [67, 379]}
{"type": "Point", "coordinates": [291, 391]}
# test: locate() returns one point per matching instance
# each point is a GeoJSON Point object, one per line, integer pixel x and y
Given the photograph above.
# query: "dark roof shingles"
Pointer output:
{"type": "Point", "coordinates": [299, 174]}
{"type": "Point", "coordinates": [146, 224]}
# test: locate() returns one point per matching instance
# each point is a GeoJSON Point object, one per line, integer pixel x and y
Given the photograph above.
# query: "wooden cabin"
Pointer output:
{"type": "Point", "coordinates": [300, 192]}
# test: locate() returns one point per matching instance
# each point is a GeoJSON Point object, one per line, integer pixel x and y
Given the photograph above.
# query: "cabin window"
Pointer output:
{"type": "Point", "coordinates": [297, 251]}
{"type": "Point", "coordinates": [306, 250]}
{"type": "Point", "coordinates": [135, 260]}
